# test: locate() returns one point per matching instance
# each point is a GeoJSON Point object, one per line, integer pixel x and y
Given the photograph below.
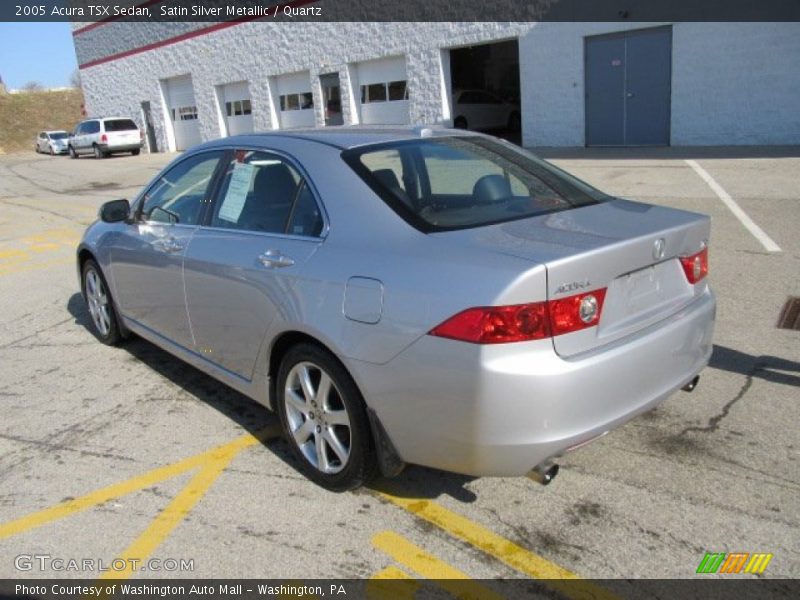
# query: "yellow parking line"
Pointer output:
{"type": "Point", "coordinates": [403, 586]}
{"type": "Point", "coordinates": [169, 518]}
{"type": "Point", "coordinates": [449, 578]}
{"type": "Point", "coordinates": [499, 547]}
{"type": "Point", "coordinates": [70, 507]}
{"type": "Point", "coordinates": [18, 267]}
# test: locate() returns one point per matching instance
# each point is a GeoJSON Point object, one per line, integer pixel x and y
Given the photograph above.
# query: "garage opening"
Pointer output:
{"type": "Point", "coordinates": [236, 108]}
{"type": "Point", "coordinates": [485, 89]}
{"type": "Point", "coordinates": [181, 112]}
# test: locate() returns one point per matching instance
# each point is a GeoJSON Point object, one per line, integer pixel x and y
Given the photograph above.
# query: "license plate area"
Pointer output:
{"type": "Point", "coordinates": [639, 298]}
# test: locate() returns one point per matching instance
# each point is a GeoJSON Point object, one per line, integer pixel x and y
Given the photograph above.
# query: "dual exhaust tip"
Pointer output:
{"type": "Point", "coordinates": [543, 473]}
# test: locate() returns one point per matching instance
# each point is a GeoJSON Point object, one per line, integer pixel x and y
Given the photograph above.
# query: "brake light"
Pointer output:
{"type": "Point", "coordinates": [497, 324]}
{"type": "Point", "coordinates": [695, 266]}
{"type": "Point", "coordinates": [523, 322]}
{"type": "Point", "coordinates": [104, 138]}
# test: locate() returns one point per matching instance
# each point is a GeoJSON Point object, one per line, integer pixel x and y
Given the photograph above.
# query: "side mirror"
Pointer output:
{"type": "Point", "coordinates": [115, 211]}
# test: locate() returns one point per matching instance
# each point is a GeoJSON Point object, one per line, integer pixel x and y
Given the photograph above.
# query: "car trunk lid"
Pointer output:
{"type": "Point", "coordinates": [628, 248]}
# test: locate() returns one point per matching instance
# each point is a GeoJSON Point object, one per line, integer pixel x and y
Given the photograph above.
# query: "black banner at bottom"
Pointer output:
{"type": "Point", "coordinates": [732, 588]}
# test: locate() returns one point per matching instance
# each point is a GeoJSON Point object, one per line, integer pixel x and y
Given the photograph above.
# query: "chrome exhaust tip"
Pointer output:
{"type": "Point", "coordinates": [543, 473]}
{"type": "Point", "coordinates": [689, 387]}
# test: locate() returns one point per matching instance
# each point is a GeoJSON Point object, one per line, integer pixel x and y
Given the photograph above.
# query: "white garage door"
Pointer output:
{"type": "Point", "coordinates": [383, 91]}
{"type": "Point", "coordinates": [182, 111]}
{"type": "Point", "coordinates": [295, 102]}
{"type": "Point", "coordinates": [236, 108]}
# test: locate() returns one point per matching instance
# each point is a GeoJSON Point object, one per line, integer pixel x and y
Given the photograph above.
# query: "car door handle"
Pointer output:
{"type": "Point", "coordinates": [169, 244]}
{"type": "Point", "coordinates": [274, 259]}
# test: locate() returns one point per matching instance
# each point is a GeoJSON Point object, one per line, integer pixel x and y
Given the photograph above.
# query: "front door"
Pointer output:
{"type": "Point", "coordinates": [147, 259]}
{"type": "Point", "coordinates": [331, 96]}
{"type": "Point", "coordinates": [628, 88]}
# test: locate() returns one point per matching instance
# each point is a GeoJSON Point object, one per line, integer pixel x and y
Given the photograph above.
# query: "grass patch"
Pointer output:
{"type": "Point", "coordinates": [24, 115]}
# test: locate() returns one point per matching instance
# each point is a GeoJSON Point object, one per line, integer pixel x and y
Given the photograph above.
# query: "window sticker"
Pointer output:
{"type": "Point", "coordinates": [238, 188]}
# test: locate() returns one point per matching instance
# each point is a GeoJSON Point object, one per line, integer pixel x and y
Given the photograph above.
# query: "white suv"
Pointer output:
{"type": "Point", "coordinates": [105, 136]}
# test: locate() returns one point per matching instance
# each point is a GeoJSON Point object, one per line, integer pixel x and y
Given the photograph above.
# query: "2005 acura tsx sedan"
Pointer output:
{"type": "Point", "coordinates": [423, 296]}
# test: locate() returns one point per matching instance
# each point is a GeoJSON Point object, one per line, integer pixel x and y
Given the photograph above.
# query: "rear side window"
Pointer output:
{"type": "Point", "coordinates": [120, 125]}
{"type": "Point", "coordinates": [446, 183]}
{"type": "Point", "coordinates": [91, 127]}
{"type": "Point", "coordinates": [262, 192]}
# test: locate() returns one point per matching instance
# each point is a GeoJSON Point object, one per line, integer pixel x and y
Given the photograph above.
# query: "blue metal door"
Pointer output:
{"type": "Point", "coordinates": [628, 88]}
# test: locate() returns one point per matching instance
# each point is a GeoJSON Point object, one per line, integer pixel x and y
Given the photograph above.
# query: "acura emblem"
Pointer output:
{"type": "Point", "coordinates": [658, 248]}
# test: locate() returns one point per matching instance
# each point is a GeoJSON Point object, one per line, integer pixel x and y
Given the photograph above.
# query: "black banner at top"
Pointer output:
{"type": "Point", "coordinates": [92, 11]}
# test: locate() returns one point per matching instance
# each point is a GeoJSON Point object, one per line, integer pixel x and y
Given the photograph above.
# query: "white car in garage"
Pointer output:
{"type": "Point", "coordinates": [482, 110]}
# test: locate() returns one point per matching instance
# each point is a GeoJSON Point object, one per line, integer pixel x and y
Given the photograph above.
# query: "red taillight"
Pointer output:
{"type": "Point", "coordinates": [523, 322]}
{"type": "Point", "coordinates": [695, 266]}
{"type": "Point", "coordinates": [497, 324]}
{"type": "Point", "coordinates": [104, 138]}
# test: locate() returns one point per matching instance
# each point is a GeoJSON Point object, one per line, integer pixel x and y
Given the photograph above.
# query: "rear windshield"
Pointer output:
{"type": "Point", "coordinates": [440, 184]}
{"type": "Point", "coordinates": [60, 135]}
{"type": "Point", "coordinates": [120, 125]}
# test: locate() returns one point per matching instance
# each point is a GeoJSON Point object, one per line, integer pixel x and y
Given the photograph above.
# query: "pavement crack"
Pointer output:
{"type": "Point", "coordinates": [35, 333]}
{"type": "Point", "coordinates": [713, 422]}
{"type": "Point", "coordinates": [62, 447]}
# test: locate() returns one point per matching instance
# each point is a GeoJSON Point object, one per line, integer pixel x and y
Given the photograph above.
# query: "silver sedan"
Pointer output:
{"type": "Point", "coordinates": [418, 296]}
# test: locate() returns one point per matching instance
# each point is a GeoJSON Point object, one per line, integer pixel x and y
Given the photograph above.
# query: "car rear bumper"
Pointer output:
{"type": "Point", "coordinates": [503, 409]}
{"type": "Point", "coordinates": [120, 147]}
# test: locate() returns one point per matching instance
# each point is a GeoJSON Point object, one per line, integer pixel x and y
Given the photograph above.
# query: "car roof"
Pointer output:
{"type": "Point", "coordinates": [54, 131]}
{"type": "Point", "coordinates": [344, 137]}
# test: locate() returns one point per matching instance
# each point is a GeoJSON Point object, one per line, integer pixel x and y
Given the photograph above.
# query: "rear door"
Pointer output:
{"type": "Point", "coordinates": [245, 266]}
{"type": "Point", "coordinates": [147, 259]}
{"type": "Point", "coordinates": [121, 132]}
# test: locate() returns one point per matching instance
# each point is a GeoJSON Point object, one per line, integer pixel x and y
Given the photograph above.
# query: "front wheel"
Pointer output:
{"type": "Point", "coordinates": [72, 153]}
{"type": "Point", "coordinates": [324, 419]}
{"type": "Point", "coordinates": [135, 152]}
{"type": "Point", "coordinates": [101, 307]}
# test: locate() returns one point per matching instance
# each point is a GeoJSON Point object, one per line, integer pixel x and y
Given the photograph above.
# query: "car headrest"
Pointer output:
{"type": "Point", "coordinates": [491, 188]}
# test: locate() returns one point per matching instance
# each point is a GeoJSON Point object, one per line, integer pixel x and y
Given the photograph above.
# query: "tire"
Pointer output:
{"type": "Point", "coordinates": [514, 122]}
{"type": "Point", "coordinates": [330, 438]}
{"type": "Point", "coordinates": [98, 153]}
{"type": "Point", "coordinates": [100, 304]}
{"type": "Point", "coordinates": [72, 153]}
{"type": "Point", "coordinates": [52, 152]}
{"type": "Point", "coordinates": [36, 148]}
{"type": "Point", "coordinates": [460, 123]}
{"type": "Point", "coordinates": [135, 152]}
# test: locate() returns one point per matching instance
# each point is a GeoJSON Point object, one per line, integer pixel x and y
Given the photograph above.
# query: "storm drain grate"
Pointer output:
{"type": "Point", "coordinates": [790, 315]}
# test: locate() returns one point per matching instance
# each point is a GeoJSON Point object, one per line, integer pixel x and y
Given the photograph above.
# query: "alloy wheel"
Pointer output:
{"type": "Point", "coordinates": [317, 418]}
{"type": "Point", "coordinates": [98, 302]}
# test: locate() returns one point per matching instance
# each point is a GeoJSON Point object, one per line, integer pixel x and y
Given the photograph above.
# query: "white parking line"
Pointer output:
{"type": "Point", "coordinates": [757, 232]}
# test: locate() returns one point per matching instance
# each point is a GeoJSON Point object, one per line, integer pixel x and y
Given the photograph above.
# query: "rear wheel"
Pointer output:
{"type": "Point", "coordinates": [98, 153]}
{"type": "Point", "coordinates": [101, 306]}
{"type": "Point", "coordinates": [460, 123]}
{"type": "Point", "coordinates": [324, 419]}
{"type": "Point", "coordinates": [135, 152]}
